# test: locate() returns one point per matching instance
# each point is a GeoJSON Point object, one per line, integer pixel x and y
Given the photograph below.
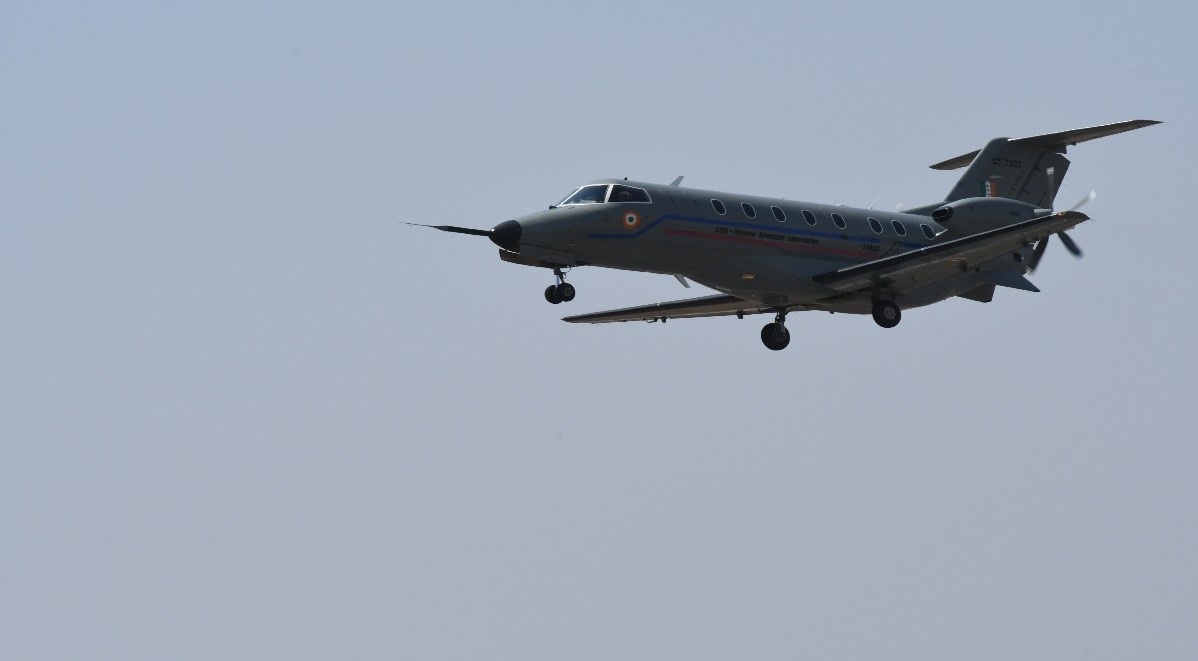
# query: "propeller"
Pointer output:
{"type": "Point", "coordinates": [452, 228]}
{"type": "Point", "coordinates": [1066, 240]}
{"type": "Point", "coordinates": [505, 235]}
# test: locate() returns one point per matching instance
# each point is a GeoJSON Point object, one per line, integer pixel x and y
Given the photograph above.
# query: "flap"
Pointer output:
{"type": "Point", "coordinates": [707, 306]}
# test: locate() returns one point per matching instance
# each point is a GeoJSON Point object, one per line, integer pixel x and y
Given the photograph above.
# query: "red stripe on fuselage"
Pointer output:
{"type": "Point", "coordinates": [773, 244]}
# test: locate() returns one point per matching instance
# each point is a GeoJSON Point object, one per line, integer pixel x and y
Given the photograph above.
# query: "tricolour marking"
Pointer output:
{"type": "Point", "coordinates": [631, 220]}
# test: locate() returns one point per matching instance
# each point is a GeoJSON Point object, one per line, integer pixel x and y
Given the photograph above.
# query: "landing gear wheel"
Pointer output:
{"type": "Point", "coordinates": [887, 314]}
{"type": "Point", "coordinates": [775, 337]}
{"type": "Point", "coordinates": [562, 291]}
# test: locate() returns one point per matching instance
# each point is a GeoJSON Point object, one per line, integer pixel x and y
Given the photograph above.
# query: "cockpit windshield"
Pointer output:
{"type": "Point", "coordinates": [621, 193]}
{"type": "Point", "coordinates": [598, 194]}
{"type": "Point", "coordinates": [586, 195]}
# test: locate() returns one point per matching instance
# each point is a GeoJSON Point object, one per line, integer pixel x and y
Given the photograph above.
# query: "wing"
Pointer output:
{"type": "Point", "coordinates": [917, 267]}
{"type": "Point", "coordinates": [707, 306]}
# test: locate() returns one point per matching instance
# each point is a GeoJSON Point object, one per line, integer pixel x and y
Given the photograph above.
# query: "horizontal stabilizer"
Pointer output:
{"type": "Point", "coordinates": [1077, 136]}
{"type": "Point", "coordinates": [1049, 140]}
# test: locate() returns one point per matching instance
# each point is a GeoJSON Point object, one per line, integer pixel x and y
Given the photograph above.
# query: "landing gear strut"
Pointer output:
{"type": "Point", "coordinates": [774, 336]}
{"type": "Point", "coordinates": [887, 314]}
{"type": "Point", "coordinates": [562, 292]}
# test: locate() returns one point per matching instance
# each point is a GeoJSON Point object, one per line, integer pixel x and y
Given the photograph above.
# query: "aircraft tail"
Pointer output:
{"type": "Point", "coordinates": [1026, 169]}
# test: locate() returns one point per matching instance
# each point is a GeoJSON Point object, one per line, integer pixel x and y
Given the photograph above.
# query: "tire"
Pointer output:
{"type": "Point", "coordinates": [775, 337]}
{"type": "Point", "coordinates": [565, 292]}
{"type": "Point", "coordinates": [551, 295]}
{"type": "Point", "coordinates": [887, 314]}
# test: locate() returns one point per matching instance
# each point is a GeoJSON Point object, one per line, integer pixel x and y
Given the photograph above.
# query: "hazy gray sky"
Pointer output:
{"type": "Point", "coordinates": [245, 413]}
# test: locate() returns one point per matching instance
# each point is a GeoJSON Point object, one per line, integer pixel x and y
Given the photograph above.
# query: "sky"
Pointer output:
{"type": "Point", "coordinates": [246, 413]}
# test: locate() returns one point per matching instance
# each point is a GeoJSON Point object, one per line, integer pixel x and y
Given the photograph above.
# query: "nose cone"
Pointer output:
{"type": "Point", "coordinates": [506, 235]}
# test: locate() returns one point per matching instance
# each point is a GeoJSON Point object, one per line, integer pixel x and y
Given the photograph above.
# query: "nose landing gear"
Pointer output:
{"type": "Point", "coordinates": [774, 336]}
{"type": "Point", "coordinates": [562, 292]}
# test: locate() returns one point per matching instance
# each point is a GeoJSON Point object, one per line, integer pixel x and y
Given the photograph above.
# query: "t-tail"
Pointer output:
{"type": "Point", "coordinates": [1029, 170]}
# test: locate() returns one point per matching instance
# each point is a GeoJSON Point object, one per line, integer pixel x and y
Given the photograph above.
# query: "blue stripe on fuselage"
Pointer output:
{"type": "Point", "coordinates": [730, 223]}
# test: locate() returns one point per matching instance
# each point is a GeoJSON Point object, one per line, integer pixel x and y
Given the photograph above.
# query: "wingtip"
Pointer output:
{"type": "Point", "coordinates": [1140, 123]}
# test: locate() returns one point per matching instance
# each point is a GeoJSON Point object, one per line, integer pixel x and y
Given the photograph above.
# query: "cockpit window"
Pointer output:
{"type": "Point", "coordinates": [621, 193]}
{"type": "Point", "coordinates": [598, 194]}
{"type": "Point", "coordinates": [587, 195]}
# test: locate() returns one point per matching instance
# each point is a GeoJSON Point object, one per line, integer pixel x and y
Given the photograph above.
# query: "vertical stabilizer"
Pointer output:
{"type": "Point", "coordinates": [1004, 168]}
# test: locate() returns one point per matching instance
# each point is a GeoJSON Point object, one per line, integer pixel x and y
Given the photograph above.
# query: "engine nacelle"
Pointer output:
{"type": "Point", "coordinates": [979, 214]}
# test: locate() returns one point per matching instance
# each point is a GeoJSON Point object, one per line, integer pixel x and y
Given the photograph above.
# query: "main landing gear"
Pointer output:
{"type": "Point", "coordinates": [562, 292]}
{"type": "Point", "coordinates": [774, 336]}
{"type": "Point", "coordinates": [887, 314]}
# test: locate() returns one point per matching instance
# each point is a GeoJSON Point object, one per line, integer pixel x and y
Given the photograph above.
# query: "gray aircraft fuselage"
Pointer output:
{"type": "Point", "coordinates": [776, 256]}
{"type": "Point", "coordinates": [769, 257]}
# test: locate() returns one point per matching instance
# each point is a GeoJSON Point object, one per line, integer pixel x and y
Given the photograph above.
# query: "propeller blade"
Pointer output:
{"type": "Point", "coordinates": [1085, 200]}
{"type": "Point", "coordinates": [1037, 253]}
{"type": "Point", "coordinates": [506, 235]}
{"type": "Point", "coordinates": [455, 229]}
{"type": "Point", "coordinates": [1069, 244]}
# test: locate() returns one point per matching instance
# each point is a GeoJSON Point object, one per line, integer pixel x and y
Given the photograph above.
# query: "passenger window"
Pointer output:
{"type": "Point", "coordinates": [839, 220]}
{"type": "Point", "coordinates": [809, 217]}
{"type": "Point", "coordinates": [898, 228]}
{"type": "Point", "coordinates": [875, 225]}
{"type": "Point", "coordinates": [719, 207]}
{"type": "Point", "coordinates": [928, 231]}
{"type": "Point", "coordinates": [748, 209]}
{"type": "Point", "coordinates": [628, 194]}
{"type": "Point", "coordinates": [779, 214]}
